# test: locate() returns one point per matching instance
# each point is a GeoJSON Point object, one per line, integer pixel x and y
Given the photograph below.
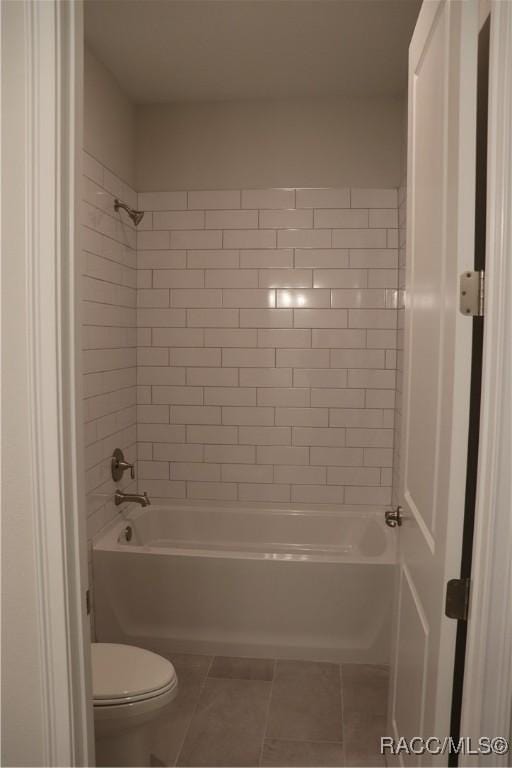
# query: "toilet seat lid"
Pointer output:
{"type": "Point", "coordinates": [129, 673]}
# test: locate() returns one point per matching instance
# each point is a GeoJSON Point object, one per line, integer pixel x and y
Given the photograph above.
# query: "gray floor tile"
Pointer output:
{"type": "Point", "coordinates": [242, 669]}
{"type": "Point", "coordinates": [365, 688]}
{"type": "Point", "coordinates": [306, 702]}
{"type": "Point", "coordinates": [362, 732]}
{"type": "Point", "coordinates": [228, 726]}
{"type": "Point", "coordinates": [277, 752]}
{"type": "Point", "coordinates": [171, 727]}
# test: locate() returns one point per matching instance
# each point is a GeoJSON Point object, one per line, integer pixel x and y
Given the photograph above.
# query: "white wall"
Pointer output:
{"type": "Point", "coordinates": [236, 144]}
{"type": "Point", "coordinates": [22, 715]}
{"type": "Point", "coordinates": [109, 128]}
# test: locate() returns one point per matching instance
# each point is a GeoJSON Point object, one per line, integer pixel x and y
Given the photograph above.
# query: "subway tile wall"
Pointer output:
{"type": "Point", "coordinates": [267, 345]}
{"type": "Point", "coordinates": [109, 336]}
{"type": "Point", "coordinates": [402, 224]}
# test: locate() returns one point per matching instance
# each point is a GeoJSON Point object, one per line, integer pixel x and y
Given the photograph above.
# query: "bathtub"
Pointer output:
{"type": "Point", "coordinates": [228, 580]}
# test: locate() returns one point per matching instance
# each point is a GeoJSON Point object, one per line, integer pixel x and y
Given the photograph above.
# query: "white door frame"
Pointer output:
{"type": "Point", "coordinates": [54, 95]}
{"type": "Point", "coordinates": [486, 709]}
{"type": "Point", "coordinates": [52, 41]}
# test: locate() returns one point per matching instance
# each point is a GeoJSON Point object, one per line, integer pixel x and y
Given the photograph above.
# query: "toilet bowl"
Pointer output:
{"type": "Point", "coordinates": [131, 687]}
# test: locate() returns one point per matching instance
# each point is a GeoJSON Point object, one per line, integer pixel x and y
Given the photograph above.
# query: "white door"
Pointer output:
{"type": "Point", "coordinates": [437, 363]}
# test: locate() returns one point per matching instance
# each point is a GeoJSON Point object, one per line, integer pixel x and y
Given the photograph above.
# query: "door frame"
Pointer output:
{"type": "Point", "coordinates": [486, 707]}
{"type": "Point", "coordinates": [54, 87]}
{"type": "Point", "coordinates": [52, 76]}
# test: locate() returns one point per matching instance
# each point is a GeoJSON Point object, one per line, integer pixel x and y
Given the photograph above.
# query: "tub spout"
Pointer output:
{"type": "Point", "coordinates": [138, 498]}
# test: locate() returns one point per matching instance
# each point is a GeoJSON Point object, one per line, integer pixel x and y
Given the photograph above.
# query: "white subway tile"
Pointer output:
{"type": "Point", "coordinates": [149, 240]}
{"type": "Point", "coordinates": [178, 395]}
{"type": "Point", "coordinates": [371, 379]}
{"type": "Point", "coordinates": [216, 435]}
{"type": "Point", "coordinates": [330, 218]}
{"type": "Point", "coordinates": [373, 258]}
{"type": "Point", "coordinates": [246, 415]}
{"type": "Point", "coordinates": [265, 318]}
{"type": "Point", "coordinates": [195, 414]}
{"type": "Point", "coordinates": [168, 489]}
{"type": "Point", "coordinates": [386, 218]}
{"type": "Point", "coordinates": [356, 417]}
{"type": "Point", "coordinates": [195, 471]}
{"type": "Point", "coordinates": [357, 358]}
{"type": "Point", "coordinates": [248, 358]}
{"type": "Point", "coordinates": [319, 377]}
{"type": "Point", "coordinates": [144, 278]}
{"type": "Point", "coordinates": [178, 337]}
{"type": "Point", "coordinates": [302, 358]}
{"type": "Point", "coordinates": [163, 318]}
{"type": "Point", "coordinates": [213, 318]}
{"type": "Point", "coordinates": [144, 451]}
{"type": "Point", "coordinates": [160, 433]}
{"type": "Point", "coordinates": [301, 475]}
{"type": "Point", "coordinates": [92, 168]}
{"type": "Point", "coordinates": [282, 454]}
{"type": "Point", "coordinates": [318, 436]}
{"type": "Point", "coordinates": [195, 357]}
{"type": "Point", "coordinates": [178, 220]}
{"type": "Point", "coordinates": [196, 297]}
{"type": "Point", "coordinates": [143, 395]}
{"type": "Point", "coordinates": [219, 491]}
{"type": "Point", "coordinates": [339, 278]}
{"type": "Point", "coordinates": [304, 238]}
{"type": "Point", "coordinates": [382, 278]}
{"type": "Point", "coordinates": [344, 339]}
{"type": "Point", "coordinates": [359, 238]}
{"type": "Point", "coordinates": [265, 377]}
{"type": "Point", "coordinates": [232, 219]}
{"type": "Point", "coordinates": [153, 470]}
{"type": "Point", "coordinates": [249, 238]}
{"type": "Point", "coordinates": [232, 278]}
{"type": "Point", "coordinates": [230, 337]}
{"type": "Point", "coordinates": [230, 454]}
{"type": "Point", "coordinates": [283, 396]}
{"type": "Point", "coordinates": [391, 358]}
{"type": "Point", "coordinates": [262, 492]}
{"type": "Point", "coordinates": [392, 238]}
{"type": "Point", "coordinates": [245, 473]}
{"type": "Point", "coordinates": [322, 258]}
{"type": "Point", "coordinates": [177, 451]}
{"type": "Point", "coordinates": [152, 356]}
{"type": "Point", "coordinates": [153, 297]}
{"type": "Point", "coordinates": [198, 239]}
{"type": "Point", "coordinates": [359, 495]}
{"type": "Point", "coordinates": [285, 278]}
{"type": "Point", "coordinates": [230, 396]}
{"type": "Point", "coordinates": [337, 398]}
{"type": "Point", "coordinates": [302, 417]}
{"type": "Point", "coordinates": [162, 201]}
{"type": "Point", "coordinates": [268, 198]}
{"type": "Point", "coordinates": [161, 260]}
{"type": "Point", "coordinates": [277, 337]}
{"type": "Point", "coordinates": [267, 259]}
{"type": "Point", "coordinates": [372, 318]}
{"type": "Point", "coordinates": [380, 398]}
{"type": "Point", "coordinates": [298, 298]}
{"type": "Point", "coordinates": [160, 375]}
{"type": "Point", "coordinates": [373, 198]}
{"type": "Point", "coordinates": [218, 199]}
{"type": "Point", "coordinates": [355, 476]}
{"type": "Point", "coordinates": [370, 438]}
{"type": "Point", "coordinates": [212, 259]}
{"type": "Point", "coordinates": [317, 494]}
{"type": "Point", "coordinates": [247, 297]}
{"type": "Point", "coordinates": [358, 298]}
{"type": "Point", "coordinates": [378, 457]}
{"type": "Point", "coordinates": [386, 477]}
{"type": "Point", "coordinates": [265, 435]}
{"type": "Point", "coordinates": [337, 457]}
{"type": "Point", "coordinates": [319, 318]}
{"type": "Point", "coordinates": [212, 377]}
{"type": "Point", "coordinates": [286, 219]}
{"type": "Point", "coordinates": [323, 198]}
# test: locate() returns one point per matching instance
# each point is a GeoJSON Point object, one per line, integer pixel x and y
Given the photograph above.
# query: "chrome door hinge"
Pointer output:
{"type": "Point", "coordinates": [472, 293]}
{"type": "Point", "coordinates": [457, 599]}
{"type": "Point", "coordinates": [88, 601]}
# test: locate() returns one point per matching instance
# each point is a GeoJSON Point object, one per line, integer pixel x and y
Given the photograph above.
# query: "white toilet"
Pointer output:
{"type": "Point", "coordinates": [131, 686]}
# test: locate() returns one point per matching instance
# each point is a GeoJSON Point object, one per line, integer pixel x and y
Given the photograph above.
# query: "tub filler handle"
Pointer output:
{"type": "Point", "coordinates": [119, 466]}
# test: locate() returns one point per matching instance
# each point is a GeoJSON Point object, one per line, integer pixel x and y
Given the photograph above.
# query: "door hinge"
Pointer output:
{"type": "Point", "coordinates": [472, 293]}
{"type": "Point", "coordinates": [457, 599]}
{"type": "Point", "coordinates": [88, 601]}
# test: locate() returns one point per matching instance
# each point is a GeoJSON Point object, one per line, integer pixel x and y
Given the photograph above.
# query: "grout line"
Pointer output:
{"type": "Point", "coordinates": [265, 729]}
{"type": "Point", "coordinates": [201, 689]}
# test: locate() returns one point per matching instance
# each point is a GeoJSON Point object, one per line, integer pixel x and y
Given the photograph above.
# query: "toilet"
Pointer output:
{"type": "Point", "coordinates": [131, 687]}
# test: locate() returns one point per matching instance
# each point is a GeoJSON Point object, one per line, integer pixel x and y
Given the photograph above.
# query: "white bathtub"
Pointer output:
{"type": "Point", "coordinates": [248, 582]}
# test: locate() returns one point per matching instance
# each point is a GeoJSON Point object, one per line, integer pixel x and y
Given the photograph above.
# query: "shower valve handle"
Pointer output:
{"type": "Point", "coordinates": [119, 466]}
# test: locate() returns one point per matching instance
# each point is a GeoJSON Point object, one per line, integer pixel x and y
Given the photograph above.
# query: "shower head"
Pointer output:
{"type": "Point", "coordinates": [135, 216]}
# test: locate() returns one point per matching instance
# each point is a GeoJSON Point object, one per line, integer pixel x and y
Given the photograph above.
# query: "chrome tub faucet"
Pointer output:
{"type": "Point", "coordinates": [137, 498]}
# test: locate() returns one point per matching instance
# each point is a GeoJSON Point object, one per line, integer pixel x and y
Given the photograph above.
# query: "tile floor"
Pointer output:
{"type": "Point", "coordinates": [261, 712]}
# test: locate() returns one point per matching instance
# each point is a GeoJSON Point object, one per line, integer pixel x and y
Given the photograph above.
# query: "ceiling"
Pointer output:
{"type": "Point", "coordinates": [196, 50]}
